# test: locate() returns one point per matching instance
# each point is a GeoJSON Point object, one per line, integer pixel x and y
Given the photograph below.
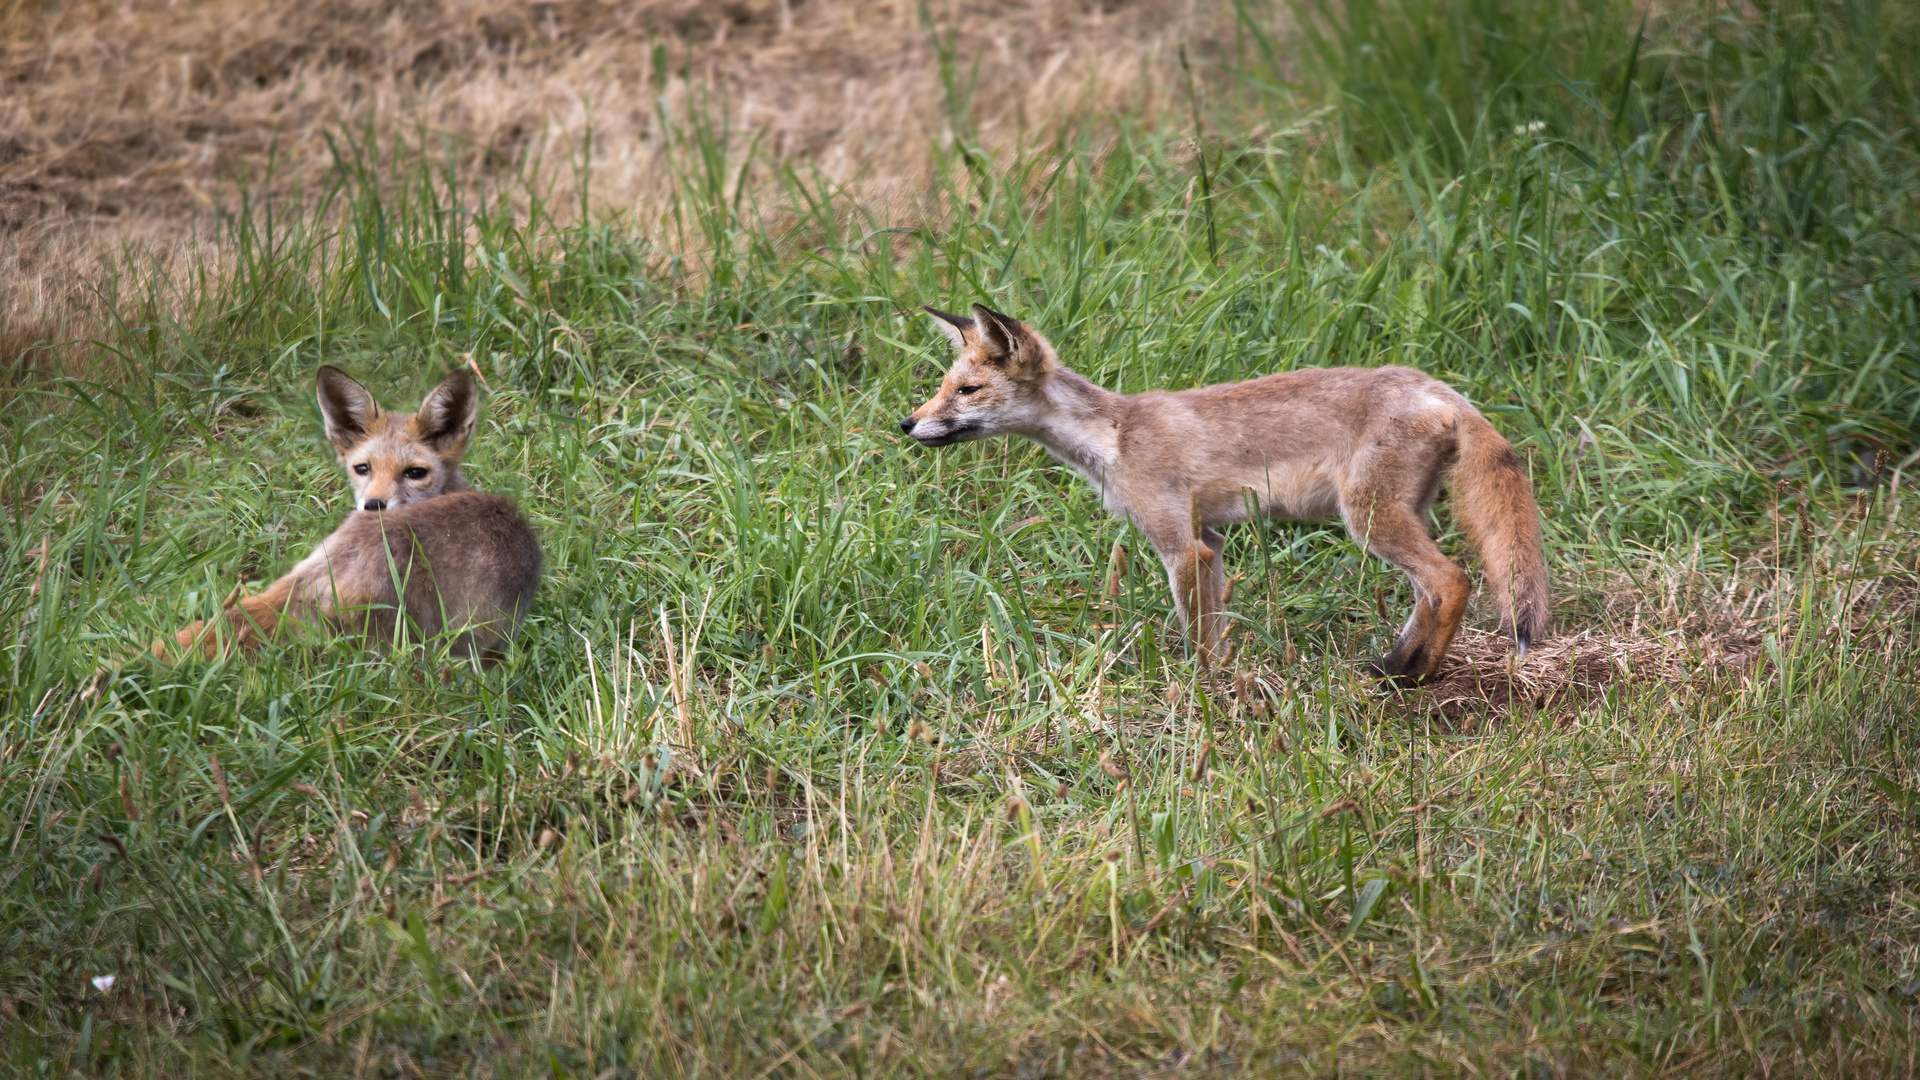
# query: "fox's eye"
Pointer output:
{"type": "Point", "coordinates": [415, 473]}
{"type": "Point", "coordinates": [361, 469]}
{"type": "Point", "coordinates": [968, 389]}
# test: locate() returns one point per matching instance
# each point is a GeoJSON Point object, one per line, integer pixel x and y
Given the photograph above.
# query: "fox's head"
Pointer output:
{"type": "Point", "coordinates": [397, 458]}
{"type": "Point", "coordinates": [996, 385]}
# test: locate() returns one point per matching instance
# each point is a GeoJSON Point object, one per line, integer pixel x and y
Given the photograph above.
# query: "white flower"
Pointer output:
{"type": "Point", "coordinates": [1531, 127]}
{"type": "Point", "coordinates": [103, 983]}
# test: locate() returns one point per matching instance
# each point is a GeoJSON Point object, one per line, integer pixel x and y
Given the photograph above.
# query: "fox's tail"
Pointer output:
{"type": "Point", "coordinates": [1494, 502]}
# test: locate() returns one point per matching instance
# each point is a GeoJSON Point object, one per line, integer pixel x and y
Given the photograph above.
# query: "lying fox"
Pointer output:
{"type": "Point", "coordinates": [1370, 445]}
{"type": "Point", "coordinates": [419, 541]}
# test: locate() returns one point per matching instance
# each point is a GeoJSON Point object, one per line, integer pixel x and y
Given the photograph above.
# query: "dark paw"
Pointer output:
{"type": "Point", "coordinates": [1386, 669]}
{"type": "Point", "coordinates": [1382, 667]}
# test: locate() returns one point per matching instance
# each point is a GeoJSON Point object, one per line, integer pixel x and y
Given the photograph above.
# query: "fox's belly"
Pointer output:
{"type": "Point", "coordinates": [1293, 492]}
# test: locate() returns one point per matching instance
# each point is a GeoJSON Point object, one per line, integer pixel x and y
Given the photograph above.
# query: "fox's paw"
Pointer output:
{"type": "Point", "coordinates": [1386, 670]}
{"type": "Point", "coordinates": [174, 647]}
{"type": "Point", "coordinates": [194, 638]}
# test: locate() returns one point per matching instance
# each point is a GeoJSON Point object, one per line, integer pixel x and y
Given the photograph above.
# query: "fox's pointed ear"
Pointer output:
{"type": "Point", "coordinates": [954, 326]}
{"type": "Point", "coordinates": [346, 408]}
{"type": "Point", "coordinates": [445, 418]}
{"type": "Point", "coordinates": [999, 344]}
{"type": "Point", "coordinates": [1008, 342]}
{"type": "Point", "coordinates": [1011, 344]}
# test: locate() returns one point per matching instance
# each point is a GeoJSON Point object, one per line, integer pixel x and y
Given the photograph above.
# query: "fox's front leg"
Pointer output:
{"type": "Point", "coordinates": [1198, 578]}
{"type": "Point", "coordinates": [244, 626]}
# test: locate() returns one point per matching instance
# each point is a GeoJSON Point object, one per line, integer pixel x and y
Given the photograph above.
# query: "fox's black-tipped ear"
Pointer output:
{"type": "Point", "coordinates": [445, 418]}
{"type": "Point", "coordinates": [954, 326]}
{"type": "Point", "coordinates": [1011, 344]}
{"type": "Point", "coordinates": [1002, 334]}
{"type": "Point", "coordinates": [346, 408]}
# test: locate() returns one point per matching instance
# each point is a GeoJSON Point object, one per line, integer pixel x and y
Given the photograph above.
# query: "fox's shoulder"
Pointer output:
{"type": "Point", "coordinates": [467, 502]}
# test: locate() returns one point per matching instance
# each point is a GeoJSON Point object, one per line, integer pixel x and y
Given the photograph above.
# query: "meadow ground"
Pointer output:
{"type": "Point", "coordinates": [827, 755]}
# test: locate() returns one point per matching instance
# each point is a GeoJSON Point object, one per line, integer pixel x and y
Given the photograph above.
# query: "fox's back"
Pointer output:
{"type": "Point", "coordinates": [460, 558]}
{"type": "Point", "coordinates": [1293, 437]}
{"type": "Point", "coordinates": [473, 528]}
{"type": "Point", "coordinates": [1338, 401]}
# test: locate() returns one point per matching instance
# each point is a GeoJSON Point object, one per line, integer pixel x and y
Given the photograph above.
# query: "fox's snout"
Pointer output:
{"type": "Point", "coordinates": [941, 419]}
{"type": "Point", "coordinates": [388, 473]}
{"type": "Point", "coordinates": [392, 472]}
{"type": "Point", "coordinates": [928, 422]}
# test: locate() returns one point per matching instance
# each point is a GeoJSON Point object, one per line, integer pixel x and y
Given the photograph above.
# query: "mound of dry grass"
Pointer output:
{"type": "Point", "coordinates": [125, 124]}
{"type": "Point", "coordinates": [1561, 676]}
{"type": "Point", "coordinates": [1677, 623]}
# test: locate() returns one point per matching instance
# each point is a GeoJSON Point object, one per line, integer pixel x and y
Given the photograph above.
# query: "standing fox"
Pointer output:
{"type": "Point", "coordinates": [419, 541]}
{"type": "Point", "coordinates": [1371, 445]}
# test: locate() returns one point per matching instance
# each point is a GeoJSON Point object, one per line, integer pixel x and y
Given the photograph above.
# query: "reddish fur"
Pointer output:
{"type": "Point", "coordinates": [448, 559]}
{"type": "Point", "coordinates": [1493, 501]}
{"type": "Point", "coordinates": [1370, 445]}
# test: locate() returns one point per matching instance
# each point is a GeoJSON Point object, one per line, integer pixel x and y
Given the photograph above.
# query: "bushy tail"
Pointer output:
{"type": "Point", "coordinates": [1493, 500]}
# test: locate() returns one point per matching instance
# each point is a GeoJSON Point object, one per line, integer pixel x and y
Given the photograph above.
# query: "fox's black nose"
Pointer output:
{"type": "Point", "coordinates": [374, 504]}
{"type": "Point", "coordinates": [906, 425]}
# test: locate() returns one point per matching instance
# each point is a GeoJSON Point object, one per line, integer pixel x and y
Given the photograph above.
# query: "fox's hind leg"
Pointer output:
{"type": "Point", "coordinates": [1393, 530]}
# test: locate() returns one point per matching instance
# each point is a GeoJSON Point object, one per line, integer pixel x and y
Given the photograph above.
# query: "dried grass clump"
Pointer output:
{"type": "Point", "coordinates": [1676, 622]}
{"type": "Point", "coordinates": [1558, 677]}
{"type": "Point", "coordinates": [124, 123]}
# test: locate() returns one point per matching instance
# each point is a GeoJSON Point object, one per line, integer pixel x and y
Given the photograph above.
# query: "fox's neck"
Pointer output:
{"type": "Point", "coordinates": [1081, 426]}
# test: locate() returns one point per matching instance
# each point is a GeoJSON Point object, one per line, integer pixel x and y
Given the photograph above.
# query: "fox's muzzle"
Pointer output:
{"type": "Point", "coordinates": [940, 432]}
{"type": "Point", "coordinates": [906, 425]}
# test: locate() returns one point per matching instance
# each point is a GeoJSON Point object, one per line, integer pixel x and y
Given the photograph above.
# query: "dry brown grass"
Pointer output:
{"type": "Point", "coordinates": [125, 124]}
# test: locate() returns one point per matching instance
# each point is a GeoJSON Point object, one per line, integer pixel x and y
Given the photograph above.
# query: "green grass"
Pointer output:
{"type": "Point", "coordinates": [890, 845]}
